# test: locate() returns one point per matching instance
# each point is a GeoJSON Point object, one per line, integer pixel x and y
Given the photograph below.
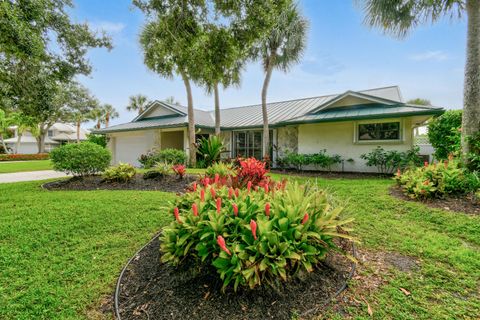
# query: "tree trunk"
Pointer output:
{"type": "Point", "coordinates": [266, 131]}
{"type": "Point", "coordinates": [19, 139]}
{"type": "Point", "coordinates": [107, 120]}
{"type": "Point", "coordinates": [471, 90]}
{"type": "Point", "coordinates": [192, 151]}
{"type": "Point", "coordinates": [42, 133]}
{"type": "Point", "coordinates": [98, 124]}
{"type": "Point", "coordinates": [78, 131]}
{"type": "Point", "coordinates": [3, 143]}
{"type": "Point", "coordinates": [217, 109]}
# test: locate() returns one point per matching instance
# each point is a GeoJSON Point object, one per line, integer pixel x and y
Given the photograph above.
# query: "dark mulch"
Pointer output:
{"type": "Point", "coordinates": [168, 184]}
{"type": "Point", "coordinates": [464, 204]}
{"type": "Point", "coordinates": [332, 175]}
{"type": "Point", "coordinates": [151, 290]}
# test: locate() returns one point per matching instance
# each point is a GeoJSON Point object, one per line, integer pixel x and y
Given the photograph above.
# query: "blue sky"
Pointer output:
{"type": "Point", "coordinates": [342, 54]}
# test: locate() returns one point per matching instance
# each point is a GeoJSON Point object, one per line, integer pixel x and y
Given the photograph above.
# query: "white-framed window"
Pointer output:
{"type": "Point", "coordinates": [379, 131]}
{"type": "Point", "coordinates": [249, 143]}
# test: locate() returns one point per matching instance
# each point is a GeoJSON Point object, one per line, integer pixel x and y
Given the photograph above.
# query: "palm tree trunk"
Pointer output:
{"type": "Point", "coordinates": [217, 109]}
{"type": "Point", "coordinates": [266, 131]}
{"type": "Point", "coordinates": [98, 124]}
{"type": "Point", "coordinates": [3, 143]}
{"type": "Point", "coordinates": [19, 139]}
{"type": "Point", "coordinates": [191, 122]}
{"type": "Point", "coordinates": [471, 94]}
{"type": "Point", "coordinates": [78, 131]}
{"type": "Point", "coordinates": [107, 120]}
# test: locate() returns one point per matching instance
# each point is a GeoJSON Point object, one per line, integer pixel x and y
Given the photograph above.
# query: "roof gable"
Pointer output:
{"type": "Point", "coordinates": [352, 99]}
{"type": "Point", "coordinates": [159, 109]}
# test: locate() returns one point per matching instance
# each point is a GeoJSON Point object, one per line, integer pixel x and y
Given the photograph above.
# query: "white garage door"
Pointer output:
{"type": "Point", "coordinates": [129, 148]}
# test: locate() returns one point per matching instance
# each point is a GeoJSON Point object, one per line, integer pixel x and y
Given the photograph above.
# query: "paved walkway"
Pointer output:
{"type": "Point", "coordinates": [30, 176]}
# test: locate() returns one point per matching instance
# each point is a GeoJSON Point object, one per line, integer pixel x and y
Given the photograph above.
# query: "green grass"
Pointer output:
{"type": "Point", "coordinates": [60, 252]}
{"type": "Point", "coordinates": [22, 166]}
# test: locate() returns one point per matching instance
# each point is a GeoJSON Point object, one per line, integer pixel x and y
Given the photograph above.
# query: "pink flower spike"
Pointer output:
{"type": "Point", "coordinates": [267, 209]}
{"type": "Point", "coordinates": [235, 209]}
{"type": "Point", "coordinates": [237, 192]}
{"type": "Point", "coordinates": [213, 192]}
{"type": "Point", "coordinates": [222, 245]}
{"type": "Point", "coordinates": [219, 205]}
{"type": "Point", "coordinates": [195, 209]}
{"type": "Point", "coordinates": [195, 186]}
{"type": "Point", "coordinates": [202, 195]}
{"type": "Point", "coordinates": [249, 186]}
{"type": "Point", "coordinates": [425, 163]}
{"type": "Point", "coordinates": [253, 226]}
{"type": "Point", "coordinates": [177, 215]}
{"type": "Point", "coordinates": [230, 193]}
{"type": "Point", "coordinates": [266, 188]}
{"type": "Point", "coordinates": [206, 181]}
{"type": "Point", "coordinates": [217, 177]}
{"type": "Point", "coordinates": [305, 218]}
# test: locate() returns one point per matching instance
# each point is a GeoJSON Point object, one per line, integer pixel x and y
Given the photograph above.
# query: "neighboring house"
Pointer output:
{"type": "Point", "coordinates": [57, 135]}
{"type": "Point", "coordinates": [347, 124]}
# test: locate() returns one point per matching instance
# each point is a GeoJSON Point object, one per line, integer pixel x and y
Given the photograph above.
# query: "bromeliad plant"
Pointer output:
{"type": "Point", "coordinates": [252, 237]}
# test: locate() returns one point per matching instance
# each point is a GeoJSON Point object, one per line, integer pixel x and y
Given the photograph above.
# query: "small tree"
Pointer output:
{"type": "Point", "coordinates": [23, 124]}
{"type": "Point", "coordinates": [110, 113]}
{"type": "Point", "coordinates": [445, 134]}
{"type": "Point", "coordinates": [4, 125]}
{"type": "Point", "coordinates": [80, 105]}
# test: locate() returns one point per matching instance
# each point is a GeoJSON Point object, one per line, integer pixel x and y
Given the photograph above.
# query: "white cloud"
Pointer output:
{"type": "Point", "coordinates": [430, 56]}
{"type": "Point", "coordinates": [108, 26]}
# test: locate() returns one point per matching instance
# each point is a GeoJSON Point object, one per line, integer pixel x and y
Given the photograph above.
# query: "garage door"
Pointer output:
{"type": "Point", "coordinates": [128, 149]}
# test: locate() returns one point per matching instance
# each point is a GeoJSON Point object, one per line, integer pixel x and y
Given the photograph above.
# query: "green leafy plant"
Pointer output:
{"type": "Point", "coordinates": [123, 172]}
{"type": "Point", "coordinates": [220, 168]}
{"type": "Point", "coordinates": [318, 160]}
{"type": "Point", "coordinates": [209, 150]}
{"type": "Point", "coordinates": [444, 133]}
{"type": "Point", "coordinates": [388, 161]}
{"type": "Point", "coordinates": [473, 157]}
{"type": "Point", "coordinates": [24, 157]}
{"type": "Point", "coordinates": [100, 139]}
{"type": "Point", "coordinates": [80, 159]}
{"type": "Point", "coordinates": [437, 180]}
{"type": "Point", "coordinates": [253, 237]}
{"type": "Point", "coordinates": [160, 170]}
{"type": "Point", "coordinates": [170, 156]}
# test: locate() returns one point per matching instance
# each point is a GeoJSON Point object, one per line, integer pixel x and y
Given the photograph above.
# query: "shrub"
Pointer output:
{"type": "Point", "coordinates": [209, 150]}
{"type": "Point", "coordinates": [100, 139]}
{"type": "Point", "coordinates": [179, 170]}
{"type": "Point", "coordinates": [444, 133]}
{"type": "Point", "coordinates": [437, 180]}
{"type": "Point", "coordinates": [252, 238]}
{"type": "Point", "coordinates": [24, 157]}
{"type": "Point", "coordinates": [473, 157]}
{"type": "Point", "coordinates": [251, 170]}
{"type": "Point", "coordinates": [80, 159]}
{"type": "Point", "coordinates": [160, 170]}
{"type": "Point", "coordinates": [319, 160]}
{"type": "Point", "coordinates": [123, 172]}
{"type": "Point", "coordinates": [171, 156]}
{"type": "Point", "coordinates": [222, 169]}
{"type": "Point", "coordinates": [387, 161]}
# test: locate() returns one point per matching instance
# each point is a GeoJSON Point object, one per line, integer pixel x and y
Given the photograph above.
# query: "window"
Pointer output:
{"type": "Point", "coordinates": [50, 133]}
{"type": "Point", "coordinates": [249, 144]}
{"type": "Point", "coordinates": [379, 131]}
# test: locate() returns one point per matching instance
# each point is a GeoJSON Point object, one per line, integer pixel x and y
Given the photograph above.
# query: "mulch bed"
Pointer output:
{"type": "Point", "coordinates": [168, 184]}
{"type": "Point", "coordinates": [456, 204]}
{"type": "Point", "coordinates": [151, 290]}
{"type": "Point", "coordinates": [332, 175]}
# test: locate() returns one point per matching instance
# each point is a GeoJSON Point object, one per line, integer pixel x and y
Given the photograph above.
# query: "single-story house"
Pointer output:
{"type": "Point", "coordinates": [57, 134]}
{"type": "Point", "coordinates": [348, 124]}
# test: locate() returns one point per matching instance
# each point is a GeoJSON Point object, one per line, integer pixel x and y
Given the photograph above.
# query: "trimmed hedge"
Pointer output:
{"type": "Point", "coordinates": [81, 159]}
{"type": "Point", "coordinates": [24, 157]}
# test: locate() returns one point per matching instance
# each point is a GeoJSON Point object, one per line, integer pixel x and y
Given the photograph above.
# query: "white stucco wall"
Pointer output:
{"type": "Point", "coordinates": [339, 138]}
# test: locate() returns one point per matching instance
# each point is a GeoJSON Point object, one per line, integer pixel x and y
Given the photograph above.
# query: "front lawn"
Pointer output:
{"type": "Point", "coordinates": [60, 252]}
{"type": "Point", "coordinates": [22, 166]}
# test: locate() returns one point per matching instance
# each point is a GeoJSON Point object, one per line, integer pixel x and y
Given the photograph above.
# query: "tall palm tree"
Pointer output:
{"type": "Point", "coordinates": [98, 116]}
{"type": "Point", "coordinates": [280, 49]}
{"type": "Point", "coordinates": [399, 17]}
{"type": "Point", "coordinates": [137, 103]}
{"type": "Point", "coordinates": [4, 124]}
{"type": "Point", "coordinates": [23, 123]}
{"type": "Point", "coordinates": [110, 113]}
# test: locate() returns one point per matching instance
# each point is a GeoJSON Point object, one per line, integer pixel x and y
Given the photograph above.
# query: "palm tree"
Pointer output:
{"type": "Point", "coordinates": [137, 103]}
{"type": "Point", "coordinates": [420, 102]}
{"type": "Point", "coordinates": [280, 49]}
{"type": "Point", "coordinates": [98, 116]}
{"type": "Point", "coordinates": [172, 100]}
{"type": "Point", "coordinates": [23, 123]}
{"type": "Point", "coordinates": [110, 113]}
{"type": "Point", "coordinates": [4, 124]}
{"type": "Point", "coordinates": [399, 17]}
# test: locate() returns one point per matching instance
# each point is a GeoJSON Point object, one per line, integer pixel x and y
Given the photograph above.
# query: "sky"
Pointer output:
{"type": "Point", "coordinates": [342, 54]}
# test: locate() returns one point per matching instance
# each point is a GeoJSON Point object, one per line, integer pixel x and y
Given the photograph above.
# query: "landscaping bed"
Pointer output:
{"type": "Point", "coordinates": [151, 290]}
{"type": "Point", "coordinates": [451, 203]}
{"type": "Point", "coordinates": [169, 183]}
{"type": "Point", "coordinates": [330, 175]}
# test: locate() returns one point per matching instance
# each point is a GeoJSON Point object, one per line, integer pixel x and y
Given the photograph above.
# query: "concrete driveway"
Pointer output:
{"type": "Point", "coordinates": [30, 176]}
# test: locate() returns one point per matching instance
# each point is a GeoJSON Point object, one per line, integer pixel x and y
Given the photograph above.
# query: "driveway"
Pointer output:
{"type": "Point", "coordinates": [30, 176]}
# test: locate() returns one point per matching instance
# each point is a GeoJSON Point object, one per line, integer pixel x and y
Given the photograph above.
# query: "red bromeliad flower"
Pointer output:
{"type": "Point", "coordinates": [267, 209]}
{"type": "Point", "coordinates": [176, 214]}
{"type": "Point", "coordinates": [237, 192]}
{"type": "Point", "coordinates": [219, 204]}
{"type": "Point", "coordinates": [206, 181]}
{"type": "Point", "coordinates": [305, 218]}
{"type": "Point", "coordinates": [222, 245]}
{"type": "Point", "coordinates": [266, 188]}
{"type": "Point", "coordinates": [202, 195]}
{"type": "Point", "coordinates": [399, 173]}
{"type": "Point", "coordinates": [217, 177]}
{"type": "Point", "coordinates": [253, 225]}
{"type": "Point", "coordinates": [213, 192]}
{"type": "Point", "coordinates": [194, 186]}
{"type": "Point", "coordinates": [425, 163]}
{"type": "Point", "coordinates": [230, 193]}
{"type": "Point", "coordinates": [249, 186]}
{"type": "Point", "coordinates": [195, 209]}
{"type": "Point", "coordinates": [235, 209]}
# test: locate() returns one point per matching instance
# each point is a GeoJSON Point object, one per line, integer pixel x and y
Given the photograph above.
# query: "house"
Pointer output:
{"type": "Point", "coordinates": [58, 134]}
{"type": "Point", "coordinates": [348, 124]}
